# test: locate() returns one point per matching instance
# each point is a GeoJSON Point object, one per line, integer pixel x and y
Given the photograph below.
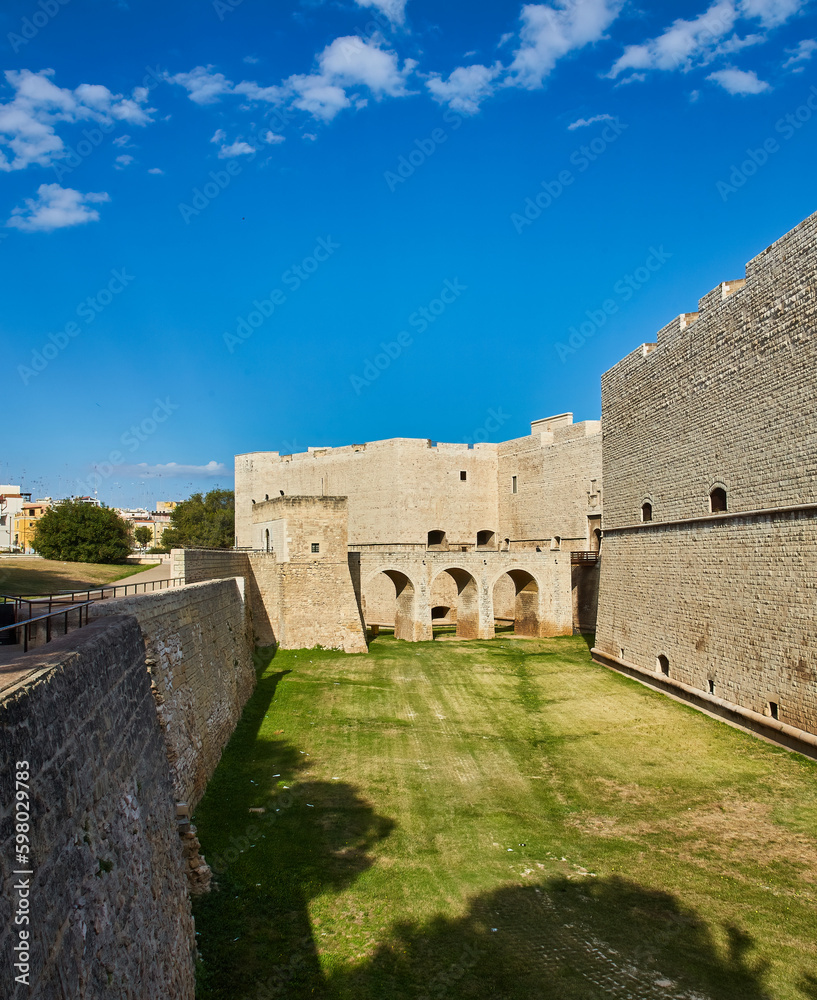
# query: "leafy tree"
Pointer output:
{"type": "Point", "coordinates": [143, 535]}
{"type": "Point", "coordinates": [203, 521]}
{"type": "Point", "coordinates": [80, 532]}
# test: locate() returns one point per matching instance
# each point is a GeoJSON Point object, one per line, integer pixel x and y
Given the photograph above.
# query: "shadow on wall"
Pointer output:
{"type": "Point", "coordinates": [561, 939]}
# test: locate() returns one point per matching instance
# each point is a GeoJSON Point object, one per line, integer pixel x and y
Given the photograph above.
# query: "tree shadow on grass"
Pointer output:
{"type": "Point", "coordinates": [275, 840]}
{"type": "Point", "coordinates": [560, 940]}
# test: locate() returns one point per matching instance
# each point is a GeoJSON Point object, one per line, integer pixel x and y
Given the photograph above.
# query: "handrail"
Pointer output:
{"type": "Point", "coordinates": [47, 618]}
{"type": "Point", "coordinates": [64, 596]}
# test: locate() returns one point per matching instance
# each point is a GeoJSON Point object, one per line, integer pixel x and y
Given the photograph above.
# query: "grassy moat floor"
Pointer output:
{"type": "Point", "coordinates": [500, 819]}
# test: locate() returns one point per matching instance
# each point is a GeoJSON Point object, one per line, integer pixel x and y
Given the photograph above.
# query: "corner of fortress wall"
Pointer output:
{"type": "Point", "coordinates": [726, 397]}
{"type": "Point", "coordinates": [109, 894]}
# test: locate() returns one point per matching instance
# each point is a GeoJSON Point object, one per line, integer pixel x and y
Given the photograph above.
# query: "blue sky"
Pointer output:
{"type": "Point", "coordinates": [234, 226]}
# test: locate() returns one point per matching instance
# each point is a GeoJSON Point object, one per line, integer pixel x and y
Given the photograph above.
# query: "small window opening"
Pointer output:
{"type": "Point", "coordinates": [717, 500]}
{"type": "Point", "coordinates": [514, 485]}
{"type": "Point", "coordinates": [316, 547]}
{"type": "Point", "coordinates": [711, 686]}
{"type": "Point", "coordinates": [774, 710]}
{"type": "Point", "coordinates": [436, 538]}
{"type": "Point", "coordinates": [463, 476]}
{"type": "Point", "coordinates": [663, 665]}
{"type": "Point", "coordinates": [556, 542]}
{"type": "Point", "coordinates": [646, 511]}
{"type": "Point", "coordinates": [485, 538]}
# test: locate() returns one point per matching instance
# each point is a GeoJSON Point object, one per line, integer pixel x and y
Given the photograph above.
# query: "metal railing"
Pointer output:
{"type": "Point", "coordinates": [47, 618]}
{"type": "Point", "coordinates": [91, 594]}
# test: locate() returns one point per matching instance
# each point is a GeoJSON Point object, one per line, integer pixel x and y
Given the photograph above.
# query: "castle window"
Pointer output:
{"type": "Point", "coordinates": [774, 710]}
{"type": "Point", "coordinates": [514, 485]}
{"type": "Point", "coordinates": [646, 511]}
{"type": "Point", "coordinates": [316, 547]}
{"type": "Point", "coordinates": [717, 500]}
{"type": "Point", "coordinates": [663, 665]}
{"type": "Point", "coordinates": [485, 539]}
{"type": "Point", "coordinates": [711, 686]}
{"type": "Point", "coordinates": [463, 476]}
{"type": "Point", "coordinates": [436, 538]}
{"type": "Point", "coordinates": [556, 543]}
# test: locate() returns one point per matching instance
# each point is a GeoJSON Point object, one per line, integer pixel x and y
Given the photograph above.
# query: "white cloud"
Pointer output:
{"type": "Point", "coordinates": [273, 138]}
{"type": "Point", "coordinates": [156, 170]}
{"type": "Point", "coordinates": [584, 122]}
{"type": "Point", "coordinates": [309, 137]}
{"type": "Point", "coordinates": [395, 10]}
{"type": "Point", "coordinates": [219, 135]}
{"type": "Point", "coordinates": [739, 81]}
{"type": "Point", "coordinates": [235, 149]}
{"type": "Point", "coordinates": [347, 63]}
{"type": "Point", "coordinates": [771, 13]}
{"type": "Point", "coordinates": [202, 85]}
{"type": "Point", "coordinates": [251, 60]}
{"type": "Point", "coordinates": [174, 470]}
{"type": "Point", "coordinates": [124, 160]}
{"type": "Point", "coordinates": [550, 33]}
{"type": "Point", "coordinates": [56, 207]}
{"type": "Point", "coordinates": [683, 44]}
{"type": "Point", "coordinates": [804, 51]}
{"type": "Point", "coordinates": [465, 88]}
{"type": "Point", "coordinates": [123, 141]}
{"type": "Point", "coordinates": [697, 42]}
{"type": "Point", "coordinates": [29, 120]}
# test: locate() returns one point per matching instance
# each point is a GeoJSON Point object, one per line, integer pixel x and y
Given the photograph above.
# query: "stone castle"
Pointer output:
{"type": "Point", "coordinates": [681, 529]}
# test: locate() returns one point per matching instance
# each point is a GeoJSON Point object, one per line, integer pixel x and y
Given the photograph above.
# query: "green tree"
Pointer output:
{"type": "Point", "coordinates": [206, 521]}
{"type": "Point", "coordinates": [80, 532]}
{"type": "Point", "coordinates": [143, 535]}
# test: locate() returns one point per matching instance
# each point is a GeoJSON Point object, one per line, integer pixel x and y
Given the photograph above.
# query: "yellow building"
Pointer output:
{"type": "Point", "coordinates": [25, 524]}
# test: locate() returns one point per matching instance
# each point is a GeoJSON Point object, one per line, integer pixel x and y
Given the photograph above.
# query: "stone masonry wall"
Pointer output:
{"type": "Point", "coordinates": [199, 654]}
{"type": "Point", "coordinates": [110, 915]}
{"type": "Point", "coordinates": [727, 397]}
{"type": "Point", "coordinates": [558, 476]}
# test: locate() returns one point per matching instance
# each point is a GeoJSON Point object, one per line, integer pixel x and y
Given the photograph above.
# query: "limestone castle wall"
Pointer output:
{"type": "Point", "coordinates": [109, 904]}
{"type": "Point", "coordinates": [401, 489]}
{"type": "Point", "coordinates": [727, 398]}
{"type": "Point", "coordinates": [398, 490]}
{"type": "Point", "coordinates": [199, 656]}
{"type": "Point", "coordinates": [558, 486]}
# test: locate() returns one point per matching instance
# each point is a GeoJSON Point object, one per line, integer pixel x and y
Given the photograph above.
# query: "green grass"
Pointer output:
{"type": "Point", "coordinates": [500, 819]}
{"type": "Point", "coordinates": [32, 577]}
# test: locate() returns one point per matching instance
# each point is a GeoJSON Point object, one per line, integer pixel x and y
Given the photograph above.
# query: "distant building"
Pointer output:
{"type": "Point", "coordinates": [139, 517]}
{"type": "Point", "coordinates": [166, 506]}
{"type": "Point", "coordinates": [11, 503]}
{"type": "Point", "coordinates": [25, 524]}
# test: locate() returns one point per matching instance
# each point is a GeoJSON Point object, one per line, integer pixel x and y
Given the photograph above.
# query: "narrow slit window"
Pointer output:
{"type": "Point", "coordinates": [514, 485]}
{"type": "Point", "coordinates": [646, 511]}
{"type": "Point", "coordinates": [316, 546]}
{"type": "Point", "coordinates": [463, 476]}
{"type": "Point", "coordinates": [663, 665]}
{"type": "Point", "coordinates": [774, 710]}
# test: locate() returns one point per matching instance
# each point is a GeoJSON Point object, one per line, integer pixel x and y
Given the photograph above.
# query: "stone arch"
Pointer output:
{"type": "Point", "coordinates": [516, 594]}
{"type": "Point", "coordinates": [397, 605]}
{"type": "Point", "coordinates": [472, 623]}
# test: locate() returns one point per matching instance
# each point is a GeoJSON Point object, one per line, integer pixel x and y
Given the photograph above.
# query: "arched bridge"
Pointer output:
{"type": "Point", "coordinates": [411, 587]}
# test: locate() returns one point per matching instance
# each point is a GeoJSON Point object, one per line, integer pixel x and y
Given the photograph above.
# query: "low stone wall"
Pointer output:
{"type": "Point", "coordinates": [109, 910]}
{"type": "Point", "coordinates": [199, 653]}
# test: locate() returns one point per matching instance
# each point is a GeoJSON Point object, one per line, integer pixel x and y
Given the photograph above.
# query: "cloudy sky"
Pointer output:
{"type": "Point", "coordinates": [234, 226]}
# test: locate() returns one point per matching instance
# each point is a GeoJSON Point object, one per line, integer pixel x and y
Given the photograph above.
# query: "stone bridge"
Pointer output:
{"type": "Point", "coordinates": [410, 587]}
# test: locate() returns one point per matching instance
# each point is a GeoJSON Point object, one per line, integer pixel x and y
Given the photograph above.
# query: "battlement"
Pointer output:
{"type": "Point", "coordinates": [786, 260]}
